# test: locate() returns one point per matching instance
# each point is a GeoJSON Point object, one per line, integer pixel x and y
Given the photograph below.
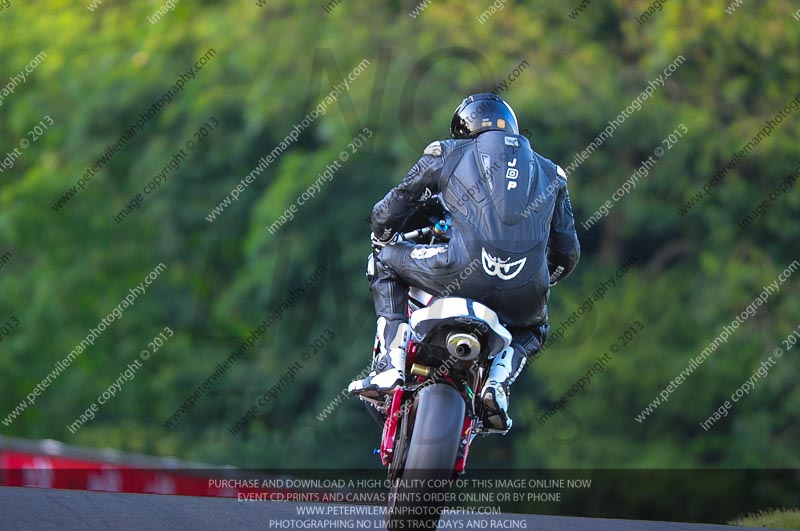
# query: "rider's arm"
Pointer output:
{"type": "Point", "coordinates": [563, 247]}
{"type": "Point", "coordinates": [422, 181]}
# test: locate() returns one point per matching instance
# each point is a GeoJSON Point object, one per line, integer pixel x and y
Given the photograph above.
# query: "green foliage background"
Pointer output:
{"type": "Point", "coordinates": [273, 64]}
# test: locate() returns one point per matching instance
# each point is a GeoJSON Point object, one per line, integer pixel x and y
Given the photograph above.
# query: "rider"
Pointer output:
{"type": "Point", "coordinates": [510, 210]}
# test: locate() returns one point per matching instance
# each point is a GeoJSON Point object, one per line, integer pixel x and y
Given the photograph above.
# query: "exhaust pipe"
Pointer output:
{"type": "Point", "coordinates": [463, 346]}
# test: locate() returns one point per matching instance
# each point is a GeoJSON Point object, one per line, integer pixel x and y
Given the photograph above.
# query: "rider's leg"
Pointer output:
{"type": "Point", "coordinates": [390, 295]}
{"type": "Point", "coordinates": [506, 367]}
{"type": "Point", "coordinates": [426, 267]}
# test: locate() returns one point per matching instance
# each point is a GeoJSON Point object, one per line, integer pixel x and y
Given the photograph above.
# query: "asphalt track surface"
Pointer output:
{"type": "Point", "coordinates": [28, 509]}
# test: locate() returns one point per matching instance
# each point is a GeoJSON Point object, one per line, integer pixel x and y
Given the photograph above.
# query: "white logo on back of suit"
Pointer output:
{"type": "Point", "coordinates": [511, 174]}
{"type": "Point", "coordinates": [503, 269]}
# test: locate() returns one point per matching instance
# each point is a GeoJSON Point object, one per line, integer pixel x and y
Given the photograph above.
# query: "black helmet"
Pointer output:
{"type": "Point", "coordinates": [483, 112]}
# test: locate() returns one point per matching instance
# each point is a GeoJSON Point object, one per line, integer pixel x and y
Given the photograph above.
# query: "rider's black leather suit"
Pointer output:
{"type": "Point", "coordinates": [511, 220]}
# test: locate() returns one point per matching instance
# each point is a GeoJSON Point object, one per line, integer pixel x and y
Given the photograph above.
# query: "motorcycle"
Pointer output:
{"type": "Point", "coordinates": [430, 422]}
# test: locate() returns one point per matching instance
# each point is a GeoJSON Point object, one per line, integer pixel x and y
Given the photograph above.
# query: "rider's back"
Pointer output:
{"type": "Point", "coordinates": [502, 196]}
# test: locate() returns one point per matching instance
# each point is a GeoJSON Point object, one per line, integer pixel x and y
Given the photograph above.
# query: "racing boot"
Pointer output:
{"type": "Point", "coordinates": [389, 365]}
{"type": "Point", "coordinates": [504, 370]}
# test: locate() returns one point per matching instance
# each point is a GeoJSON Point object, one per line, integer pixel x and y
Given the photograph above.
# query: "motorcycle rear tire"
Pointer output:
{"type": "Point", "coordinates": [417, 497]}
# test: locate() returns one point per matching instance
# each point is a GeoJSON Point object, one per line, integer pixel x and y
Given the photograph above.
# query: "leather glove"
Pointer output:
{"type": "Point", "coordinates": [378, 244]}
{"type": "Point", "coordinates": [555, 275]}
